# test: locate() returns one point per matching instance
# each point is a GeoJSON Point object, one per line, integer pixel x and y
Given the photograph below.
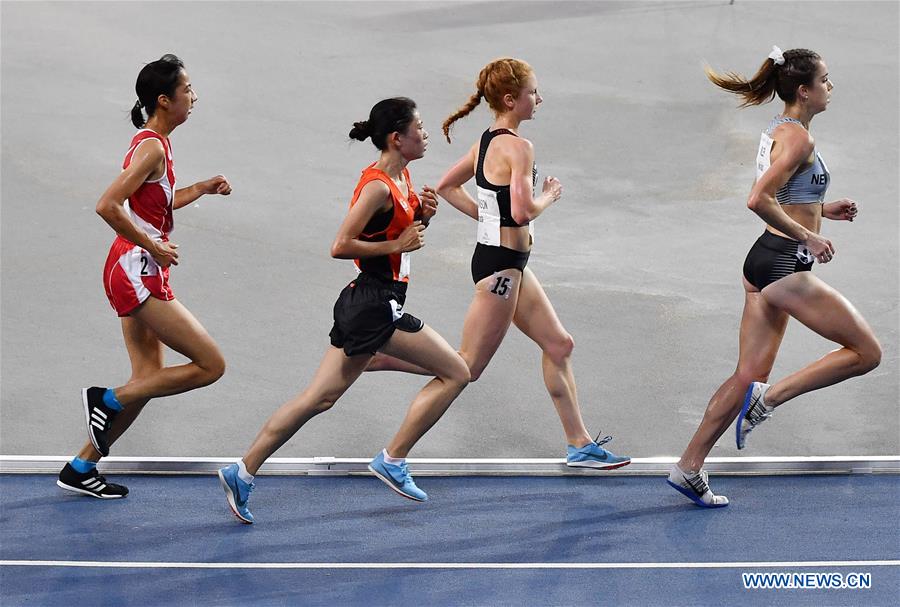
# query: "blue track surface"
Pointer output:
{"type": "Point", "coordinates": [637, 520]}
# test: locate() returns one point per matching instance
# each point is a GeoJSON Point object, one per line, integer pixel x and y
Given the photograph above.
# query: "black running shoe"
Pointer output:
{"type": "Point", "coordinates": [90, 483]}
{"type": "Point", "coordinates": [99, 418]}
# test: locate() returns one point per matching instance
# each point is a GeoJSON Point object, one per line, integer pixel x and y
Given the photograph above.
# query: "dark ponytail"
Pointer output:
{"type": "Point", "coordinates": [137, 117]}
{"type": "Point", "coordinates": [360, 131]}
{"type": "Point", "coordinates": [771, 79]}
{"type": "Point", "coordinates": [387, 116]}
{"type": "Point", "coordinates": [157, 78]}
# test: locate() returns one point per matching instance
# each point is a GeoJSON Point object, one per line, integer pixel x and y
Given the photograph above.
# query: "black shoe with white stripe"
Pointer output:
{"type": "Point", "coordinates": [90, 483]}
{"type": "Point", "coordinates": [99, 418]}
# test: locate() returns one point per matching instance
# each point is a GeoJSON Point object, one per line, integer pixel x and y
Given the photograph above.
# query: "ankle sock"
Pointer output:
{"type": "Point", "coordinates": [82, 465]}
{"type": "Point", "coordinates": [243, 474]}
{"type": "Point", "coordinates": [394, 461]}
{"type": "Point", "coordinates": [110, 400]}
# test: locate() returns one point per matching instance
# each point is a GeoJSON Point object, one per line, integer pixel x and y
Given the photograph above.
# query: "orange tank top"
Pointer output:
{"type": "Point", "coordinates": [387, 226]}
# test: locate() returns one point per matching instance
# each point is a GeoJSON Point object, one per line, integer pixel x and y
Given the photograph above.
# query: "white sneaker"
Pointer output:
{"type": "Point", "coordinates": [753, 412]}
{"type": "Point", "coordinates": [696, 487]}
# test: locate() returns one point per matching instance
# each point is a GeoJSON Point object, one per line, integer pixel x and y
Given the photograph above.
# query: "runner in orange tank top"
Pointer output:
{"type": "Point", "coordinates": [384, 224]}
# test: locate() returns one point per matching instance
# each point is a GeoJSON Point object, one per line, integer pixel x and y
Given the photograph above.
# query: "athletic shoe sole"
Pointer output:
{"type": "Point", "coordinates": [87, 419]}
{"type": "Point", "coordinates": [690, 495]}
{"type": "Point", "coordinates": [597, 465]}
{"type": "Point", "coordinates": [83, 492]}
{"type": "Point", "coordinates": [740, 420]}
{"type": "Point", "coordinates": [391, 485]}
{"type": "Point", "coordinates": [230, 497]}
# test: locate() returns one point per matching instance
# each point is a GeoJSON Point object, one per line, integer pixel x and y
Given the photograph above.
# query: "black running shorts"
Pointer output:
{"type": "Point", "coordinates": [367, 313]}
{"type": "Point", "coordinates": [488, 259]}
{"type": "Point", "coordinates": [772, 257]}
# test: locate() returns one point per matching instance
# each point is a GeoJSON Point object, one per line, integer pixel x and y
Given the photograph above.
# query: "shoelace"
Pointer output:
{"type": "Point", "coordinates": [602, 441]}
{"type": "Point", "coordinates": [697, 483]}
{"type": "Point", "coordinates": [757, 413]}
{"type": "Point", "coordinates": [250, 488]}
{"type": "Point", "coordinates": [404, 472]}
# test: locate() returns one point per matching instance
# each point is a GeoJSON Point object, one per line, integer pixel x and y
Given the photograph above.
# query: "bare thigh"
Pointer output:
{"type": "Point", "coordinates": [823, 309]}
{"type": "Point", "coordinates": [145, 351]}
{"type": "Point", "coordinates": [535, 315]}
{"type": "Point", "coordinates": [176, 327]}
{"type": "Point", "coordinates": [336, 373]}
{"type": "Point", "coordinates": [428, 350]}
{"type": "Point", "coordinates": [488, 319]}
{"type": "Point", "coordinates": [762, 329]}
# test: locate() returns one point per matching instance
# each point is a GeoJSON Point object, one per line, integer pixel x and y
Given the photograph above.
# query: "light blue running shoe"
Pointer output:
{"type": "Point", "coordinates": [593, 455]}
{"type": "Point", "coordinates": [237, 492]}
{"type": "Point", "coordinates": [397, 478]}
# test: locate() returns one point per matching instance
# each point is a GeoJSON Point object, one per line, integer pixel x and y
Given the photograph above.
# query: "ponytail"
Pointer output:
{"type": "Point", "coordinates": [465, 110]}
{"type": "Point", "coordinates": [498, 78]}
{"type": "Point", "coordinates": [360, 131]}
{"type": "Point", "coordinates": [387, 116]}
{"type": "Point", "coordinates": [798, 67]}
{"type": "Point", "coordinates": [156, 78]}
{"type": "Point", "coordinates": [137, 116]}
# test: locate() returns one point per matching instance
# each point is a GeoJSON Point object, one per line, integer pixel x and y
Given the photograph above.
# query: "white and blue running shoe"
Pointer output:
{"type": "Point", "coordinates": [753, 412]}
{"type": "Point", "coordinates": [237, 492]}
{"type": "Point", "coordinates": [696, 488]}
{"type": "Point", "coordinates": [397, 478]}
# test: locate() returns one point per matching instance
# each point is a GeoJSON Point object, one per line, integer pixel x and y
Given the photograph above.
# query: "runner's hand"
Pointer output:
{"type": "Point", "coordinates": [552, 188]}
{"type": "Point", "coordinates": [164, 253]}
{"type": "Point", "coordinates": [215, 185]}
{"type": "Point", "coordinates": [412, 238]}
{"type": "Point", "coordinates": [840, 210]}
{"type": "Point", "coordinates": [429, 200]}
{"type": "Point", "coordinates": [820, 247]}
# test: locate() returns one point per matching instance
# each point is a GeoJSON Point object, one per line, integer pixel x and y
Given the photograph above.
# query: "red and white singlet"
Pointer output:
{"type": "Point", "coordinates": [131, 275]}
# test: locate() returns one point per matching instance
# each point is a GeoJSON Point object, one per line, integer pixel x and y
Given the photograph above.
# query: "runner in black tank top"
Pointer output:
{"type": "Point", "coordinates": [505, 289]}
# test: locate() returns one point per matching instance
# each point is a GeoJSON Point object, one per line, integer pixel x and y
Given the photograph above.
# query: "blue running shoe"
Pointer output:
{"type": "Point", "coordinates": [397, 478]}
{"type": "Point", "coordinates": [753, 412]}
{"type": "Point", "coordinates": [593, 455]}
{"type": "Point", "coordinates": [237, 492]}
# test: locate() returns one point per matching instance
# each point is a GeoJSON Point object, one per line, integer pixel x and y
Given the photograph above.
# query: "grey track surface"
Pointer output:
{"type": "Point", "coordinates": [642, 257]}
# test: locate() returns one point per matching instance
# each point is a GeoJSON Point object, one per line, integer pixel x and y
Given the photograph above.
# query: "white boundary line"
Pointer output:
{"type": "Point", "coordinates": [333, 466]}
{"type": "Point", "coordinates": [185, 565]}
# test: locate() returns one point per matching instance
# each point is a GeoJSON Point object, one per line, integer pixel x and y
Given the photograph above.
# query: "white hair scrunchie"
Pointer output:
{"type": "Point", "coordinates": [777, 55]}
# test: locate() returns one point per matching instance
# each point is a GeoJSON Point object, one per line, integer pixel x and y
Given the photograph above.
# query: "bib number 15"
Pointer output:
{"type": "Point", "coordinates": [502, 286]}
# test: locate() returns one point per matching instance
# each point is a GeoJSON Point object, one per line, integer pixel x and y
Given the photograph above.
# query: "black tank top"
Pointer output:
{"type": "Point", "coordinates": [506, 219]}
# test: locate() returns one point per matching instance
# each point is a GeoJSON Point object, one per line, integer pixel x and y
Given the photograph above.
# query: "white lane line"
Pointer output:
{"type": "Point", "coordinates": [187, 565]}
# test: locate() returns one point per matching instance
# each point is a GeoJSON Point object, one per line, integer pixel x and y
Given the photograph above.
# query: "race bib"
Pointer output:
{"type": "Point", "coordinates": [488, 218]}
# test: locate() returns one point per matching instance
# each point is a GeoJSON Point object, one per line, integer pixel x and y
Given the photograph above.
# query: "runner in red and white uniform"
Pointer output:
{"type": "Point", "coordinates": [384, 225]}
{"type": "Point", "coordinates": [138, 206]}
{"type": "Point", "coordinates": [131, 274]}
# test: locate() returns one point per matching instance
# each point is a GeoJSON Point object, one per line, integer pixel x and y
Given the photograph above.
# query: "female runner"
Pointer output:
{"type": "Point", "coordinates": [788, 195]}
{"type": "Point", "coordinates": [384, 224]}
{"type": "Point", "coordinates": [506, 291]}
{"type": "Point", "coordinates": [138, 206]}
